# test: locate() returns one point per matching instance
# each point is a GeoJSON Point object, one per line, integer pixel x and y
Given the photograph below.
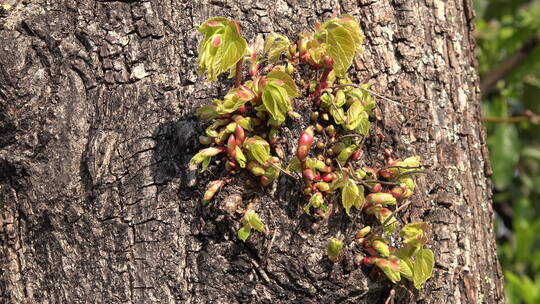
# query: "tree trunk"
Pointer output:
{"type": "Point", "coordinates": [97, 126]}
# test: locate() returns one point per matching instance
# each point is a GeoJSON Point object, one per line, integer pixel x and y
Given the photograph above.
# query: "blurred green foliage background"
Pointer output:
{"type": "Point", "coordinates": [508, 37]}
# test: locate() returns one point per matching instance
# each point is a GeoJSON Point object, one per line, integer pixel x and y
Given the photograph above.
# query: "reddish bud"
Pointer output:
{"type": "Point", "coordinates": [213, 23]}
{"type": "Point", "coordinates": [308, 174]}
{"type": "Point", "coordinates": [239, 133]}
{"type": "Point", "coordinates": [376, 188]}
{"type": "Point", "coordinates": [217, 41]}
{"type": "Point", "coordinates": [317, 177]}
{"type": "Point", "coordinates": [362, 232]}
{"type": "Point", "coordinates": [304, 143]}
{"type": "Point", "coordinates": [328, 177]}
{"type": "Point", "coordinates": [265, 181]}
{"type": "Point", "coordinates": [369, 261]}
{"type": "Point", "coordinates": [241, 109]}
{"type": "Point", "coordinates": [231, 146]}
{"type": "Point", "coordinates": [356, 155]}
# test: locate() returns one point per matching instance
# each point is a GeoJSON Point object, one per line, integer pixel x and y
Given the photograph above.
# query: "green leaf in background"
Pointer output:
{"type": "Point", "coordinates": [504, 148]}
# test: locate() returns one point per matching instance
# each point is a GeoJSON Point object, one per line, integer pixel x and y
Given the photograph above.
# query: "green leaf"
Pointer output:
{"type": "Point", "coordinates": [504, 148]}
{"type": "Point", "coordinates": [234, 99]}
{"type": "Point", "coordinates": [355, 115]}
{"type": "Point", "coordinates": [341, 47]}
{"type": "Point", "coordinates": [338, 114]}
{"type": "Point", "coordinates": [258, 148]}
{"type": "Point", "coordinates": [422, 267]}
{"type": "Point", "coordinates": [276, 101]}
{"type": "Point", "coordinates": [240, 157]}
{"type": "Point", "coordinates": [348, 22]}
{"type": "Point", "coordinates": [406, 268]}
{"type": "Point", "coordinates": [203, 156]}
{"type": "Point", "coordinates": [290, 85]}
{"type": "Point", "coordinates": [349, 196]}
{"type": "Point", "coordinates": [333, 249]}
{"type": "Point", "coordinates": [243, 233]}
{"type": "Point", "coordinates": [294, 165]}
{"type": "Point", "coordinates": [252, 220]}
{"type": "Point", "coordinates": [221, 48]}
{"type": "Point", "coordinates": [275, 45]}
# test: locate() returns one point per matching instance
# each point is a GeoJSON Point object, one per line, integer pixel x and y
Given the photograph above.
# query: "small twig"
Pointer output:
{"type": "Point", "coordinates": [528, 116]}
{"type": "Point", "coordinates": [373, 93]}
{"type": "Point", "coordinates": [353, 135]}
{"type": "Point", "coordinates": [409, 173]}
{"type": "Point", "coordinates": [337, 110]}
{"type": "Point", "coordinates": [401, 167]}
{"type": "Point", "coordinates": [286, 173]}
{"type": "Point", "coordinates": [384, 224]}
{"type": "Point", "coordinates": [382, 182]}
{"type": "Point", "coordinates": [390, 298]}
{"type": "Point", "coordinates": [260, 271]}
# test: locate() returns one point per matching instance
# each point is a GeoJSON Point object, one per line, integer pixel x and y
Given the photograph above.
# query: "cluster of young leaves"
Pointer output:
{"type": "Point", "coordinates": [250, 221]}
{"type": "Point", "coordinates": [244, 126]}
{"type": "Point", "coordinates": [411, 260]}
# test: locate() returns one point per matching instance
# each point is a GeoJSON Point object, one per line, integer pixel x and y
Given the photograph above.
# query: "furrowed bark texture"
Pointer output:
{"type": "Point", "coordinates": [97, 126]}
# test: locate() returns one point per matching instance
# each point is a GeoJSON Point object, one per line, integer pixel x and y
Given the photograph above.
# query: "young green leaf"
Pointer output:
{"type": "Point", "coordinates": [251, 219]}
{"type": "Point", "coordinates": [221, 48]}
{"type": "Point", "coordinates": [406, 268]}
{"type": "Point", "coordinates": [340, 45]}
{"type": "Point", "coordinates": [243, 233]}
{"type": "Point", "coordinates": [258, 148]}
{"type": "Point", "coordinates": [333, 249]}
{"type": "Point", "coordinates": [422, 267]}
{"type": "Point", "coordinates": [203, 156]}
{"type": "Point", "coordinates": [234, 99]}
{"type": "Point", "coordinates": [240, 157]}
{"type": "Point", "coordinates": [347, 21]}
{"type": "Point", "coordinates": [276, 101]}
{"type": "Point", "coordinates": [289, 84]}
{"type": "Point", "coordinates": [349, 196]}
{"type": "Point", "coordinates": [275, 45]}
{"type": "Point", "coordinates": [294, 165]}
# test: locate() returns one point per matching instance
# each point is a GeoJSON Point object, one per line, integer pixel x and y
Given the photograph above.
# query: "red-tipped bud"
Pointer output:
{"type": "Point", "coordinates": [239, 134]}
{"type": "Point", "coordinates": [397, 191]}
{"type": "Point", "coordinates": [328, 61]}
{"type": "Point", "coordinates": [216, 41]}
{"type": "Point", "coordinates": [317, 177]}
{"type": "Point", "coordinates": [376, 188]}
{"type": "Point", "coordinates": [381, 247]}
{"type": "Point", "coordinates": [304, 143]}
{"type": "Point", "coordinates": [205, 140]}
{"type": "Point", "coordinates": [387, 174]}
{"type": "Point", "coordinates": [322, 186]}
{"type": "Point", "coordinates": [254, 69]}
{"type": "Point", "coordinates": [241, 109]}
{"type": "Point", "coordinates": [265, 181]}
{"type": "Point", "coordinates": [381, 198]}
{"type": "Point", "coordinates": [328, 177]}
{"type": "Point", "coordinates": [213, 187]}
{"type": "Point", "coordinates": [356, 155]}
{"type": "Point", "coordinates": [308, 174]}
{"type": "Point", "coordinates": [369, 261]}
{"type": "Point", "coordinates": [231, 146]}
{"type": "Point", "coordinates": [363, 232]}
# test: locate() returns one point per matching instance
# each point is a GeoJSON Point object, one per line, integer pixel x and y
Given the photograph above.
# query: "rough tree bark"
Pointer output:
{"type": "Point", "coordinates": [97, 125]}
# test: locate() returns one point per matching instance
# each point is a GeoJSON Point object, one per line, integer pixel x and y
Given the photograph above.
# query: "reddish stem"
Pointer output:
{"type": "Point", "coordinates": [321, 85]}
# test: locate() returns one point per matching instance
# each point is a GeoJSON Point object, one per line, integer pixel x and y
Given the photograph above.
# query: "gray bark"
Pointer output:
{"type": "Point", "coordinates": [97, 126]}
